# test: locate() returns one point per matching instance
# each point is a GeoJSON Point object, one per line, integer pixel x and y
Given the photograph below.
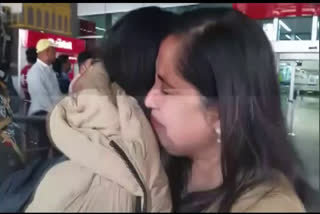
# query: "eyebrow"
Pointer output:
{"type": "Point", "coordinates": [165, 81]}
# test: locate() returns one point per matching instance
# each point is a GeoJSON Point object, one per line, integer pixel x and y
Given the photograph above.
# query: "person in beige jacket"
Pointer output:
{"type": "Point", "coordinates": [114, 163]}
{"type": "Point", "coordinates": [114, 157]}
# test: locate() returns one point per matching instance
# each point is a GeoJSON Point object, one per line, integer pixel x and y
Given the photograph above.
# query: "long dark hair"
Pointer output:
{"type": "Point", "coordinates": [131, 47]}
{"type": "Point", "coordinates": [83, 56]}
{"type": "Point", "coordinates": [231, 61]}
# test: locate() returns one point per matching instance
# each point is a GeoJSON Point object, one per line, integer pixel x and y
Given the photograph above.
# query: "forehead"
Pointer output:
{"type": "Point", "coordinates": [168, 55]}
{"type": "Point", "coordinates": [167, 62]}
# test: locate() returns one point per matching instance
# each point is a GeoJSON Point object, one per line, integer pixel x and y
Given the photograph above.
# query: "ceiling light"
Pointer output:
{"type": "Point", "coordinates": [99, 28]}
{"type": "Point", "coordinates": [288, 36]}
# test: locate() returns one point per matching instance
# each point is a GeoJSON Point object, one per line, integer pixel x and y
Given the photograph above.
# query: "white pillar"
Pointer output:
{"type": "Point", "coordinates": [19, 61]}
{"type": "Point", "coordinates": [275, 29]}
{"type": "Point", "coordinates": [314, 28]}
{"type": "Point", "coordinates": [291, 102]}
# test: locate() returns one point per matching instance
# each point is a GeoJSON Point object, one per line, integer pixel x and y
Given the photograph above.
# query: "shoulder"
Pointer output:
{"type": "Point", "coordinates": [64, 174]}
{"type": "Point", "coordinates": [59, 187]}
{"type": "Point", "coordinates": [33, 70]}
{"type": "Point", "coordinates": [70, 187]}
{"type": "Point", "coordinates": [35, 65]}
{"type": "Point", "coordinates": [25, 69]}
{"type": "Point", "coordinates": [278, 202]}
{"type": "Point", "coordinates": [277, 195]}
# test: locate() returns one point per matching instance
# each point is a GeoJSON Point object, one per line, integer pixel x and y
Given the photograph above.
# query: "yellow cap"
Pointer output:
{"type": "Point", "coordinates": [43, 44]}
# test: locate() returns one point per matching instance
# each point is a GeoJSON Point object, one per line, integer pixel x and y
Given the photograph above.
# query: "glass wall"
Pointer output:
{"type": "Point", "coordinates": [291, 28]}
{"type": "Point", "coordinates": [295, 28]}
{"type": "Point", "coordinates": [302, 113]}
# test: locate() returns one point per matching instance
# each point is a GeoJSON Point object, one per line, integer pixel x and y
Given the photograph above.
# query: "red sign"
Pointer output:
{"type": "Point", "coordinates": [87, 28]}
{"type": "Point", "coordinates": [64, 44]}
{"type": "Point", "coordinates": [272, 10]}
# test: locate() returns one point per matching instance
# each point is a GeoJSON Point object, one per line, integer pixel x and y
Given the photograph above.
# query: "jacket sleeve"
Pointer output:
{"type": "Point", "coordinates": [68, 187]}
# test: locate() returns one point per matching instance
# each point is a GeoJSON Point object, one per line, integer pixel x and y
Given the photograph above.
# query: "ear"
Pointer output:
{"type": "Point", "coordinates": [213, 118]}
{"type": "Point", "coordinates": [217, 127]}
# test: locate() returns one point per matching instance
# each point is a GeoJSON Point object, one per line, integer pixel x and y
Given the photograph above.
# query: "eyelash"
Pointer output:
{"type": "Point", "coordinates": [164, 92]}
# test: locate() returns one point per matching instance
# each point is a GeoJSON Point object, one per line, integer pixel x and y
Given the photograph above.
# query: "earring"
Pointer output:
{"type": "Point", "coordinates": [218, 131]}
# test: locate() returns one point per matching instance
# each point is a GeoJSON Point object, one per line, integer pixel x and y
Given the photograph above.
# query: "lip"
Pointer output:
{"type": "Point", "coordinates": [155, 123]}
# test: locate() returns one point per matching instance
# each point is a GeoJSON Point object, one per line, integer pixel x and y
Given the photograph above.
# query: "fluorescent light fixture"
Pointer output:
{"type": "Point", "coordinates": [288, 36]}
{"type": "Point", "coordinates": [298, 37]}
{"type": "Point", "coordinates": [99, 28]}
{"type": "Point", "coordinates": [284, 26]}
{"type": "Point", "coordinates": [90, 37]}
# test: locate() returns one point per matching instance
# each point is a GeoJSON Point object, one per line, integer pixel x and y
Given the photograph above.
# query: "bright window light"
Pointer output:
{"type": "Point", "coordinates": [99, 28]}
{"type": "Point", "coordinates": [288, 36]}
{"type": "Point", "coordinates": [298, 37]}
{"type": "Point", "coordinates": [284, 26]}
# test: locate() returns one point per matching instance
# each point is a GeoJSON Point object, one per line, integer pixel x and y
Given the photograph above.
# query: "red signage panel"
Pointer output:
{"type": "Point", "coordinates": [272, 10]}
{"type": "Point", "coordinates": [64, 44]}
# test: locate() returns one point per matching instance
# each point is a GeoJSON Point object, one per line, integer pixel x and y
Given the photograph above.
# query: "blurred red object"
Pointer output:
{"type": "Point", "coordinates": [272, 10]}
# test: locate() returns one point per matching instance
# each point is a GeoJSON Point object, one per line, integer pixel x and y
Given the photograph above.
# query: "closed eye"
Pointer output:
{"type": "Point", "coordinates": [164, 91]}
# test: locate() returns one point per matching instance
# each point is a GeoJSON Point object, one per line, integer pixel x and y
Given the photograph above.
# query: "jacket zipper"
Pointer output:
{"type": "Point", "coordinates": [135, 174]}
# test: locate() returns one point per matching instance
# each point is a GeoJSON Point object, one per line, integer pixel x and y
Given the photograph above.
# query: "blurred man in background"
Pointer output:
{"type": "Point", "coordinates": [44, 91]}
{"type": "Point", "coordinates": [42, 81]}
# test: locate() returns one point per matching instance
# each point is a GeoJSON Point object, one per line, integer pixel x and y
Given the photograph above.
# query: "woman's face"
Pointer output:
{"type": "Point", "coordinates": [182, 122]}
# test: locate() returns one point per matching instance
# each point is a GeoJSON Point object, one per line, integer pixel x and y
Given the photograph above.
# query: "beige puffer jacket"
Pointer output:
{"type": "Point", "coordinates": [114, 161]}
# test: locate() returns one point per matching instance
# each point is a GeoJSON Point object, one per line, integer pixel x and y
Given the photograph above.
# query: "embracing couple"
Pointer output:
{"type": "Point", "coordinates": [180, 113]}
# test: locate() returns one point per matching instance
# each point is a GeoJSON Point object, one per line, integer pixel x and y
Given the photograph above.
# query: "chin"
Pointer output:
{"type": "Point", "coordinates": [167, 143]}
{"type": "Point", "coordinates": [170, 148]}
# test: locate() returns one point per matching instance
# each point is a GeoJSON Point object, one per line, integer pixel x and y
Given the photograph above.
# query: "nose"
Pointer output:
{"type": "Point", "coordinates": [151, 98]}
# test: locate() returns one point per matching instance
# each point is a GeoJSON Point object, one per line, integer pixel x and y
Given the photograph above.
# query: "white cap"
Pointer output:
{"type": "Point", "coordinates": [43, 44]}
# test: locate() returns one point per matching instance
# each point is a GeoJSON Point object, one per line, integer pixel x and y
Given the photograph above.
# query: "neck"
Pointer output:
{"type": "Point", "coordinates": [206, 173]}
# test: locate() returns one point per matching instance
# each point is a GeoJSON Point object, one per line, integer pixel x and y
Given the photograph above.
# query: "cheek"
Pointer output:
{"type": "Point", "coordinates": [185, 128]}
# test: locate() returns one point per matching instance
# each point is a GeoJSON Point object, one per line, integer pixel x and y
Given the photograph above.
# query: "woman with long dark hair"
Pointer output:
{"type": "Point", "coordinates": [216, 110]}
